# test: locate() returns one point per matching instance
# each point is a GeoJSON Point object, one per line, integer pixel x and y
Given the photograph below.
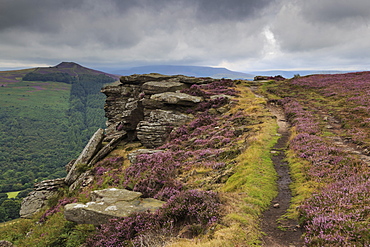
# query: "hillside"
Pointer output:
{"type": "Point", "coordinates": [46, 121]}
{"type": "Point", "coordinates": [199, 162]}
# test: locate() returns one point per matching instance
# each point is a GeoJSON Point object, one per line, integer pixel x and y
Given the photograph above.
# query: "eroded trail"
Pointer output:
{"type": "Point", "coordinates": [278, 231]}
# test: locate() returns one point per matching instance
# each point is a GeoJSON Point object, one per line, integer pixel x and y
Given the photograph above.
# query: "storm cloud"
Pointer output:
{"type": "Point", "coordinates": [242, 35]}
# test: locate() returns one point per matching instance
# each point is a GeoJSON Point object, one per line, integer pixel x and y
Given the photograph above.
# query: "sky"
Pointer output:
{"type": "Point", "coordinates": [241, 35]}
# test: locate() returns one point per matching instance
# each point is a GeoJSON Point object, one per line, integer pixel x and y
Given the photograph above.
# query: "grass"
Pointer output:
{"type": "Point", "coordinates": [13, 194]}
{"type": "Point", "coordinates": [249, 191]}
{"type": "Point", "coordinates": [245, 195]}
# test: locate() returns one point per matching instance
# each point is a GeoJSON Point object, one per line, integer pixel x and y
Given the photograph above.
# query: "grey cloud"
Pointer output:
{"type": "Point", "coordinates": [234, 10]}
{"type": "Point", "coordinates": [315, 25]}
{"type": "Point", "coordinates": [336, 12]}
{"type": "Point", "coordinates": [240, 33]}
{"type": "Point", "coordinates": [36, 15]}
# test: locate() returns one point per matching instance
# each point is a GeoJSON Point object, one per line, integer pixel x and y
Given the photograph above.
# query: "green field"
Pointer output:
{"type": "Point", "coordinates": [13, 194]}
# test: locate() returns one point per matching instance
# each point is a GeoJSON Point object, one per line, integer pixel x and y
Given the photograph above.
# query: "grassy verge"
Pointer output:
{"type": "Point", "coordinates": [249, 191]}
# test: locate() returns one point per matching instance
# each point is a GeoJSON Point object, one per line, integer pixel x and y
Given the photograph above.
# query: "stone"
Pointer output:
{"type": "Point", "coordinates": [213, 97]}
{"type": "Point", "coordinates": [167, 116]}
{"type": "Point", "coordinates": [50, 184]}
{"type": "Point", "coordinates": [132, 114]}
{"type": "Point", "coordinates": [153, 134]}
{"type": "Point", "coordinates": [155, 87]}
{"type": "Point", "coordinates": [83, 180]}
{"type": "Point", "coordinates": [5, 243]}
{"type": "Point", "coordinates": [152, 104]}
{"type": "Point", "coordinates": [137, 79]}
{"type": "Point", "coordinates": [91, 148]}
{"type": "Point", "coordinates": [177, 98]}
{"type": "Point", "coordinates": [37, 199]}
{"type": "Point", "coordinates": [109, 204]}
{"type": "Point", "coordinates": [132, 156]}
{"type": "Point", "coordinates": [104, 151]}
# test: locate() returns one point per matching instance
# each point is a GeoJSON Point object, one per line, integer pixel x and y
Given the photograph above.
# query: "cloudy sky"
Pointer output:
{"type": "Point", "coordinates": [242, 35]}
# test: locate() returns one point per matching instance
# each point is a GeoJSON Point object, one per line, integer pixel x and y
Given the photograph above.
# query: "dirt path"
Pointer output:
{"type": "Point", "coordinates": [280, 232]}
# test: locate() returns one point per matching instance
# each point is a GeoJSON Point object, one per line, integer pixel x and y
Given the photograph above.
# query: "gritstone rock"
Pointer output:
{"type": "Point", "coordinates": [109, 204]}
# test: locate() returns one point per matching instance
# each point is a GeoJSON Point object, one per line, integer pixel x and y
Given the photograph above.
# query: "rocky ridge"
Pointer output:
{"type": "Point", "coordinates": [143, 108]}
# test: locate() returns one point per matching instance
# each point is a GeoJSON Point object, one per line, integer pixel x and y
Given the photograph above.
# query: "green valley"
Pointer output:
{"type": "Point", "coordinates": [44, 124]}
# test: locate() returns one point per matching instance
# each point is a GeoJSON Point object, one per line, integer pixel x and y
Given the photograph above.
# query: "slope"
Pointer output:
{"type": "Point", "coordinates": [39, 119]}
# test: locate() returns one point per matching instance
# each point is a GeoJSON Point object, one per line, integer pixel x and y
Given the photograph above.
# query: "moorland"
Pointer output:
{"type": "Point", "coordinates": [216, 173]}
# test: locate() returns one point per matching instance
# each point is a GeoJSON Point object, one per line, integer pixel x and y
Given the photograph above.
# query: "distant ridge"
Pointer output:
{"type": "Point", "coordinates": [292, 73]}
{"type": "Point", "coordinates": [72, 69]}
{"type": "Point", "coordinates": [197, 71]}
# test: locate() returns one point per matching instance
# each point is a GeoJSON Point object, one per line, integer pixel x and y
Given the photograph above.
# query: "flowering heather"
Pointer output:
{"type": "Point", "coordinates": [186, 208]}
{"type": "Point", "coordinates": [198, 144]}
{"type": "Point", "coordinates": [350, 94]}
{"type": "Point", "coordinates": [55, 209]}
{"type": "Point", "coordinates": [338, 214]}
{"type": "Point", "coordinates": [224, 86]}
{"type": "Point", "coordinates": [108, 171]}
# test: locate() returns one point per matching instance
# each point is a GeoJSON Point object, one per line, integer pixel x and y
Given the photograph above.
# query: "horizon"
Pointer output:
{"type": "Point", "coordinates": [117, 68]}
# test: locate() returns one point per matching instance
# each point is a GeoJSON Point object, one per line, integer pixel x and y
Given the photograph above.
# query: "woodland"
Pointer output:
{"type": "Point", "coordinates": [45, 121]}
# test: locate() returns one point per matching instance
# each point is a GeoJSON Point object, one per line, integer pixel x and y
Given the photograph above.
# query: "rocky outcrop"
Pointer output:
{"type": "Point", "coordinates": [109, 204]}
{"type": "Point", "coordinates": [37, 199]}
{"type": "Point", "coordinates": [92, 153]}
{"type": "Point", "coordinates": [142, 107]}
{"type": "Point", "coordinates": [149, 106]}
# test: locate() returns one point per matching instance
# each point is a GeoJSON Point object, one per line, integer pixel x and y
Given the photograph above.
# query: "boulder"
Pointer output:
{"type": "Point", "coordinates": [37, 199]}
{"type": "Point", "coordinates": [155, 87]}
{"type": "Point", "coordinates": [109, 204]}
{"type": "Point", "coordinates": [177, 98]}
{"type": "Point", "coordinates": [5, 243]}
{"type": "Point", "coordinates": [92, 147]}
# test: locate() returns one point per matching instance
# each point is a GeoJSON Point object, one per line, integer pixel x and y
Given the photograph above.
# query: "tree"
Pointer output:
{"type": "Point", "coordinates": [11, 208]}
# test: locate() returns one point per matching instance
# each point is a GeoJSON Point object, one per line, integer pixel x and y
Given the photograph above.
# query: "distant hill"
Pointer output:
{"type": "Point", "coordinates": [72, 69]}
{"type": "Point", "coordinates": [47, 115]}
{"type": "Point", "coordinates": [197, 71]}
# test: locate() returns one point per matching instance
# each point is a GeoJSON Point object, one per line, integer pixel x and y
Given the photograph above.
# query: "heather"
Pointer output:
{"type": "Point", "coordinates": [215, 174]}
{"type": "Point", "coordinates": [348, 98]}
{"type": "Point", "coordinates": [198, 209]}
{"type": "Point", "coordinates": [334, 183]}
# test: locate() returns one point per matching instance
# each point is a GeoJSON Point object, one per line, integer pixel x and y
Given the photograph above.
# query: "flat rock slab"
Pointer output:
{"type": "Point", "coordinates": [155, 87]}
{"type": "Point", "coordinates": [109, 204]}
{"type": "Point", "coordinates": [177, 98]}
